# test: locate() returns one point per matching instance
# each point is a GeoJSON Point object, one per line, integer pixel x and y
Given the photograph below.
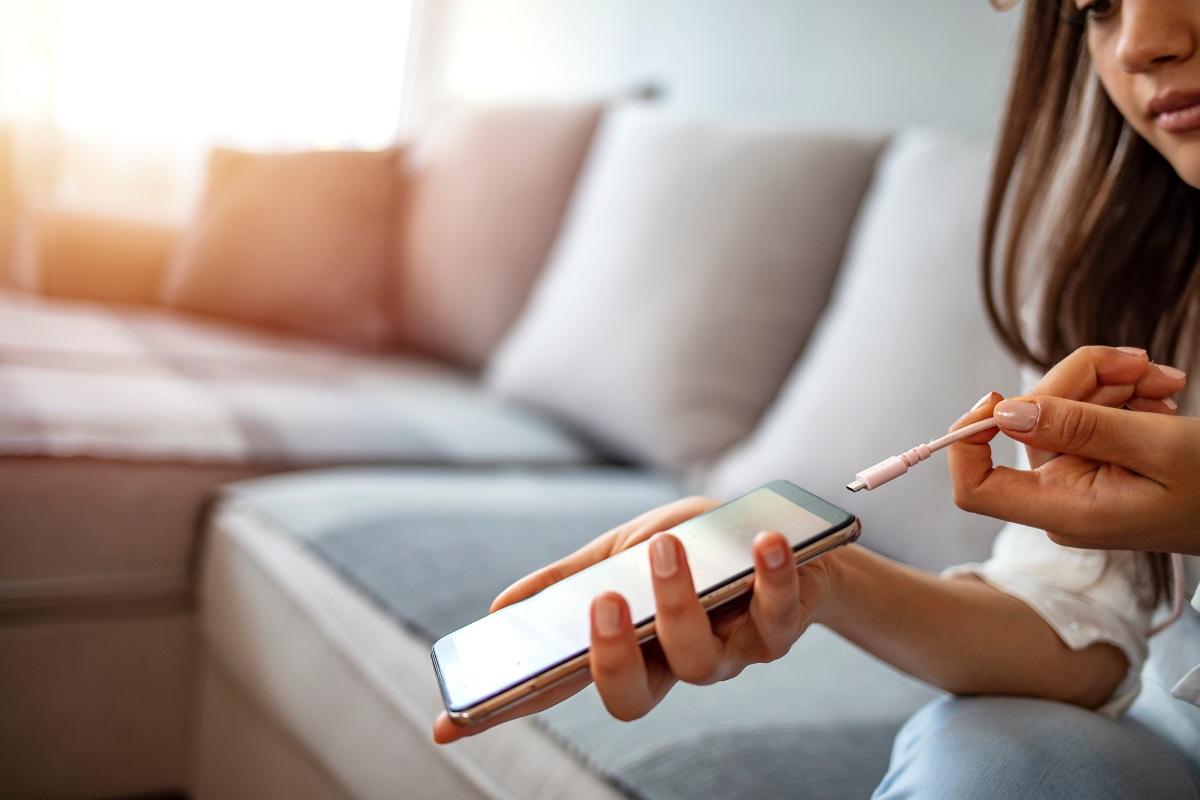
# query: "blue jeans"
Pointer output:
{"type": "Point", "coordinates": [979, 748]}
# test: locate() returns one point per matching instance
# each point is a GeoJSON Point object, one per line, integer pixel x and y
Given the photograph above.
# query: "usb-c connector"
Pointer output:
{"type": "Point", "coordinates": [894, 467]}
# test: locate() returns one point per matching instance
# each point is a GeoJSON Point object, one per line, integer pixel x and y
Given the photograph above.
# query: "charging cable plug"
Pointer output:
{"type": "Point", "coordinates": [894, 467]}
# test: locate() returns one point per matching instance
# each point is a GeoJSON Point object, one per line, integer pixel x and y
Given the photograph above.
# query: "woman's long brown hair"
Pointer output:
{"type": "Point", "coordinates": [1098, 230]}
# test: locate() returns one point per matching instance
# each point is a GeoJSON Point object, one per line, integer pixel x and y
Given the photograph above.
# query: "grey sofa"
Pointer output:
{"type": "Point", "coordinates": [224, 551]}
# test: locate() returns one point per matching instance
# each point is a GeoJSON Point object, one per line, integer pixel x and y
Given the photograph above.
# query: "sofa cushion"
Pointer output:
{"type": "Point", "coordinates": [342, 578]}
{"type": "Point", "coordinates": [903, 350]}
{"type": "Point", "coordinates": [87, 531]}
{"type": "Point", "coordinates": [295, 241]}
{"type": "Point", "coordinates": [136, 416]}
{"type": "Point", "coordinates": [87, 381]}
{"type": "Point", "coordinates": [403, 535]}
{"type": "Point", "coordinates": [695, 259]}
{"type": "Point", "coordinates": [485, 193]}
{"type": "Point", "coordinates": [71, 253]}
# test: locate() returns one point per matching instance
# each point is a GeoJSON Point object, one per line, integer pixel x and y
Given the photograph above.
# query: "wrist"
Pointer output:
{"type": "Point", "coordinates": [831, 572]}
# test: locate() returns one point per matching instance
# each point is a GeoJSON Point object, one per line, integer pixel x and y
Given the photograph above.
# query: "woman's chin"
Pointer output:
{"type": "Point", "coordinates": [1186, 163]}
{"type": "Point", "coordinates": [1189, 173]}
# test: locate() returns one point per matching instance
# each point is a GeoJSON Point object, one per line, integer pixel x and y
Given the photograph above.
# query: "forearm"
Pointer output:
{"type": "Point", "coordinates": [961, 634]}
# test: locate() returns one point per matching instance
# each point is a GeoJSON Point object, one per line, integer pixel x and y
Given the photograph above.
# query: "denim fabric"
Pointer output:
{"type": "Point", "coordinates": [988, 748]}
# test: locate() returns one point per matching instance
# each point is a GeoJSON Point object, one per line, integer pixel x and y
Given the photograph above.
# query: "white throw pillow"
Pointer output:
{"type": "Point", "coordinates": [694, 261]}
{"type": "Point", "coordinates": [903, 350]}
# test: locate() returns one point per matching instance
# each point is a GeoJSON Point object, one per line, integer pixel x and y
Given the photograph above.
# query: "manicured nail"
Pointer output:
{"type": "Point", "coordinates": [1133, 351]}
{"type": "Point", "coordinates": [1171, 404]}
{"type": "Point", "coordinates": [607, 616]}
{"type": "Point", "coordinates": [1171, 372]}
{"type": "Point", "coordinates": [1017, 415]}
{"type": "Point", "coordinates": [982, 400]}
{"type": "Point", "coordinates": [775, 556]}
{"type": "Point", "coordinates": [665, 563]}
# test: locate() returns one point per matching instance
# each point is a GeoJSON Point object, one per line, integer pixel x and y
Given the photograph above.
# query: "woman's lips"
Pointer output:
{"type": "Point", "coordinates": [1176, 112]}
{"type": "Point", "coordinates": [1181, 121]}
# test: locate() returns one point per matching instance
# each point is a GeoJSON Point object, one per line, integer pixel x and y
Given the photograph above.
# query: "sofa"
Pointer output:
{"type": "Point", "coordinates": [254, 464]}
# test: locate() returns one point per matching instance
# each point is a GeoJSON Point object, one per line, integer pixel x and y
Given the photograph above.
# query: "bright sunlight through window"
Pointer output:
{"type": "Point", "coordinates": [249, 72]}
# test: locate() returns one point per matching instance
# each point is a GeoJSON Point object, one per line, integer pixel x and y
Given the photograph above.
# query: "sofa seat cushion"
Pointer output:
{"type": "Point", "coordinates": [151, 385]}
{"type": "Point", "coordinates": [322, 592]}
{"type": "Point", "coordinates": [116, 426]}
{"type": "Point", "coordinates": [88, 532]}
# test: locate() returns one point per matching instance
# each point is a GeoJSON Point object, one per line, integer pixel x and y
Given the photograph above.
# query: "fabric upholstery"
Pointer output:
{"type": "Point", "coordinates": [294, 241]}
{"type": "Point", "coordinates": [297, 575]}
{"type": "Point", "coordinates": [83, 531]}
{"type": "Point", "coordinates": [95, 705]}
{"type": "Point", "coordinates": [87, 381]}
{"type": "Point", "coordinates": [485, 191]}
{"type": "Point", "coordinates": [693, 263]}
{"type": "Point", "coordinates": [903, 350]}
{"type": "Point", "coordinates": [239, 752]}
{"type": "Point", "coordinates": [280, 622]}
{"type": "Point", "coordinates": [89, 256]}
{"type": "Point", "coordinates": [403, 535]}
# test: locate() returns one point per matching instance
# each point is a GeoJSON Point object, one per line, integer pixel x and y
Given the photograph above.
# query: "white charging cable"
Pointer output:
{"type": "Point", "coordinates": [894, 467]}
{"type": "Point", "coordinates": [874, 477]}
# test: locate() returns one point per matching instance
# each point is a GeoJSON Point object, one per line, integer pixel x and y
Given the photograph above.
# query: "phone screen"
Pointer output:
{"type": "Point", "coordinates": [506, 648]}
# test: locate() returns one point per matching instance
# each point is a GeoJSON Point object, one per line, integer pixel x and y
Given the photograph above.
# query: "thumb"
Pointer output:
{"type": "Point", "coordinates": [593, 552]}
{"type": "Point", "coordinates": [1109, 435]}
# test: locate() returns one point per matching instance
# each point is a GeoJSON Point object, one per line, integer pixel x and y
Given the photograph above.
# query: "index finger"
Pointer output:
{"type": "Point", "coordinates": [591, 553]}
{"type": "Point", "coordinates": [1103, 375]}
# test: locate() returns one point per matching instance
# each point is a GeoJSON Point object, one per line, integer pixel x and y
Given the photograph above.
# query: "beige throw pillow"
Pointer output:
{"type": "Point", "coordinates": [902, 351]}
{"type": "Point", "coordinates": [486, 192]}
{"type": "Point", "coordinates": [294, 241]}
{"type": "Point", "coordinates": [694, 261]}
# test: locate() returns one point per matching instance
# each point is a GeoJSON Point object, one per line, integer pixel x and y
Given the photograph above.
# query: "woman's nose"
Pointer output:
{"type": "Point", "coordinates": [1155, 32]}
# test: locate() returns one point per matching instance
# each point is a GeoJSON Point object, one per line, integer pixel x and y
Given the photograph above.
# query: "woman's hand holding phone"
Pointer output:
{"type": "Point", "coordinates": [691, 645]}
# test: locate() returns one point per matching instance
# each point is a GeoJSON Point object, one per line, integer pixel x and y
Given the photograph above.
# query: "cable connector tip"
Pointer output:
{"type": "Point", "coordinates": [896, 466]}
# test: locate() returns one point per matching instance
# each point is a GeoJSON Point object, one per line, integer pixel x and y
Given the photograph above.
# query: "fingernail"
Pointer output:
{"type": "Point", "coordinates": [1016, 415]}
{"type": "Point", "coordinates": [1133, 351]}
{"type": "Point", "coordinates": [607, 616]}
{"type": "Point", "coordinates": [775, 556]}
{"type": "Point", "coordinates": [1171, 372]}
{"type": "Point", "coordinates": [665, 562]}
{"type": "Point", "coordinates": [1171, 404]}
{"type": "Point", "coordinates": [982, 400]}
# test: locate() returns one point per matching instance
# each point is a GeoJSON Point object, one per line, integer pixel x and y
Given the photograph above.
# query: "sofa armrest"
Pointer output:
{"type": "Point", "coordinates": [89, 256]}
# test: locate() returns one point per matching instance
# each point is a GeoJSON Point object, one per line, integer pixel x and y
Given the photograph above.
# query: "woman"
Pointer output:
{"type": "Point", "coordinates": [1056, 622]}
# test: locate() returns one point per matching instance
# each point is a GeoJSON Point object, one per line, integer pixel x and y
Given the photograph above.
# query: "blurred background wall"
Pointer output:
{"type": "Point", "coordinates": [113, 104]}
{"type": "Point", "coordinates": [860, 64]}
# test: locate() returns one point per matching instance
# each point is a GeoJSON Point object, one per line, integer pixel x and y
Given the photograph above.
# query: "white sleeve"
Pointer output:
{"type": "Point", "coordinates": [1086, 596]}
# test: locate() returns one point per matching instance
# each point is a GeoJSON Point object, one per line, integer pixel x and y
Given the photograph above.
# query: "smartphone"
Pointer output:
{"type": "Point", "coordinates": [524, 649]}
